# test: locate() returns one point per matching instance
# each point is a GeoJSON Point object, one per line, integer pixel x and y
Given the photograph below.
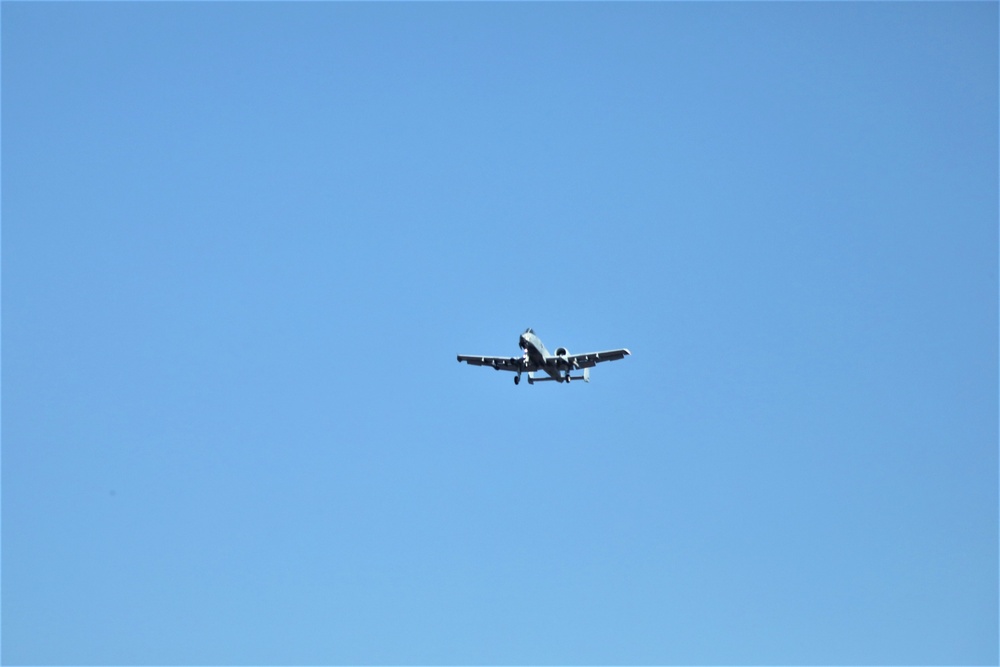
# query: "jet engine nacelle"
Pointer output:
{"type": "Point", "coordinates": [563, 355]}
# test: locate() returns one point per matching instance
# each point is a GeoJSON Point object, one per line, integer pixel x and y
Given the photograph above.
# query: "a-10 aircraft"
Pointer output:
{"type": "Point", "coordinates": [558, 366]}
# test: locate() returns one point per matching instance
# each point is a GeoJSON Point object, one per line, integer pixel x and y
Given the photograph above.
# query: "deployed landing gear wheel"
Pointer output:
{"type": "Point", "coordinates": [517, 379]}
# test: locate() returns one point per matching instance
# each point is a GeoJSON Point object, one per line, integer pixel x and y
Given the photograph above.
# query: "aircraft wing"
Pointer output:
{"type": "Point", "coordinates": [591, 359]}
{"type": "Point", "coordinates": [499, 363]}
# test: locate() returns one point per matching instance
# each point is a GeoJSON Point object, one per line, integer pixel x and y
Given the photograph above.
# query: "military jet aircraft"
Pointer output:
{"type": "Point", "coordinates": [558, 366]}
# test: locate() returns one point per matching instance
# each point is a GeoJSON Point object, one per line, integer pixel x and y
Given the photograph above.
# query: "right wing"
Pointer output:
{"type": "Point", "coordinates": [516, 364]}
{"type": "Point", "coordinates": [591, 359]}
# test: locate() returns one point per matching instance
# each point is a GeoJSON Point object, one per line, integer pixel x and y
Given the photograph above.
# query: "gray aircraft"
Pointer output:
{"type": "Point", "coordinates": [558, 366]}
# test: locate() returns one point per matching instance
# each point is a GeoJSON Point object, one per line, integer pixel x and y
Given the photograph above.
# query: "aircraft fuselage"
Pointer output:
{"type": "Point", "coordinates": [535, 352]}
{"type": "Point", "coordinates": [533, 347]}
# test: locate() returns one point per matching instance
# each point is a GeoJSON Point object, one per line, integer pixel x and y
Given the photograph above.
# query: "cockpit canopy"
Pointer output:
{"type": "Point", "coordinates": [529, 331]}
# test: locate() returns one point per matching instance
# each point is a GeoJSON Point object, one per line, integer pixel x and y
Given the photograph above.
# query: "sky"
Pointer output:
{"type": "Point", "coordinates": [242, 245]}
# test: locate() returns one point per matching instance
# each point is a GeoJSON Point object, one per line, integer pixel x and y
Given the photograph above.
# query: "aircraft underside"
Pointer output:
{"type": "Point", "coordinates": [558, 367]}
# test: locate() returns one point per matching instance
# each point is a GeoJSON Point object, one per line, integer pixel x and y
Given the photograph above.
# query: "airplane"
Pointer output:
{"type": "Point", "coordinates": [558, 366]}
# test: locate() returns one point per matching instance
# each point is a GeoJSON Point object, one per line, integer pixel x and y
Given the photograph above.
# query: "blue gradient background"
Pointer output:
{"type": "Point", "coordinates": [243, 243]}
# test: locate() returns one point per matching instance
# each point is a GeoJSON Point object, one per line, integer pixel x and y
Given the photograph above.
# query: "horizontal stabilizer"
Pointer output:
{"type": "Point", "coordinates": [585, 377]}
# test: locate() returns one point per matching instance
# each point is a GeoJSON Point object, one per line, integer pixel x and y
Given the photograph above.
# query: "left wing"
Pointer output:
{"type": "Point", "coordinates": [591, 359]}
{"type": "Point", "coordinates": [515, 364]}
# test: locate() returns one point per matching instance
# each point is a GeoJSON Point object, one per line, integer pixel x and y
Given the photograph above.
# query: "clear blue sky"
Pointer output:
{"type": "Point", "coordinates": [243, 243]}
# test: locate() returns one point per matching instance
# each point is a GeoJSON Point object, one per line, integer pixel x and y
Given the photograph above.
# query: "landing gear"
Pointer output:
{"type": "Point", "coordinates": [517, 379]}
